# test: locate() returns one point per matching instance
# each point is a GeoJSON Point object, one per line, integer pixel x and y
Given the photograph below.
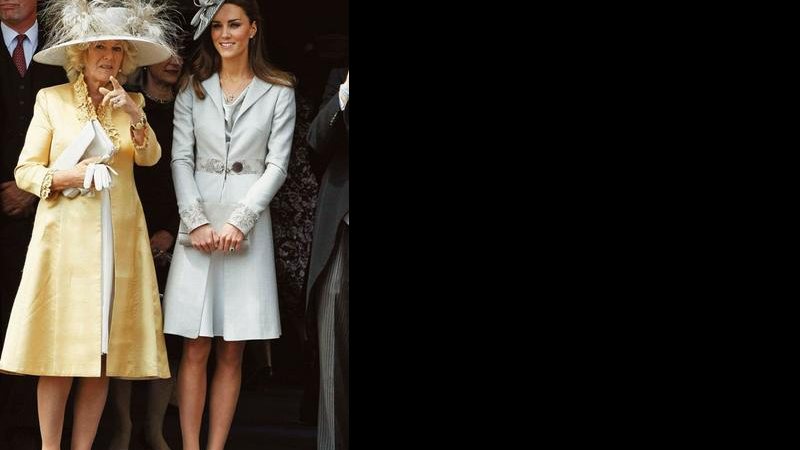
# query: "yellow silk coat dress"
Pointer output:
{"type": "Point", "coordinates": [55, 324]}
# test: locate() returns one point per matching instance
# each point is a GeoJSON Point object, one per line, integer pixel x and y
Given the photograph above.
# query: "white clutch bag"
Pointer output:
{"type": "Point", "coordinates": [217, 214]}
{"type": "Point", "coordinates": [92, 141]}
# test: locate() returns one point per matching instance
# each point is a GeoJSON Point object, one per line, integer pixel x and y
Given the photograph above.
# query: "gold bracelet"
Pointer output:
{"type": "Point", "coordinates": [140, 124]}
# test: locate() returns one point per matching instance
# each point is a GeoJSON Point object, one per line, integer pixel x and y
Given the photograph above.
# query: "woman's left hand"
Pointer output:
{"type": "Point", "coordinates": [119, 99]}
{"type": "Point", "coordinates": [230, 239]}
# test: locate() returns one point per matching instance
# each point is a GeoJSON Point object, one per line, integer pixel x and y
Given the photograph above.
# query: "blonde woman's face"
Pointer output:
{"type": "Point", "coordinates": [231, 31]}
{"type": "Point", "coordinates": [103, 59]}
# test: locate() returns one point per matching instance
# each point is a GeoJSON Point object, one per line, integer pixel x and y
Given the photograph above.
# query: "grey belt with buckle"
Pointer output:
{"type": "Point", "coordinates": [240, 167]}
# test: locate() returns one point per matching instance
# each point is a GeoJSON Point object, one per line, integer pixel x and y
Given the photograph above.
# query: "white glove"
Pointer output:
{"type": "Point", "coordinates": [99, 174]}
{"type": "Point", "coordinates": [102, 176]}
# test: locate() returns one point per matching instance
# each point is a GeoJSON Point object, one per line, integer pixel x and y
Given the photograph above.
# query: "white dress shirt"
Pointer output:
{"type": "Point", "coordinates": [344, 97]}
{"type": "Point", "coordinates": [30, 44]}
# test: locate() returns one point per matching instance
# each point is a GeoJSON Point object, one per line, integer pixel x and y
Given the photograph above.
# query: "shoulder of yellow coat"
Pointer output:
{"type": "Point", "coordinates": [138, 98]}
{"type": "Point", "coordinates": [61, 92]}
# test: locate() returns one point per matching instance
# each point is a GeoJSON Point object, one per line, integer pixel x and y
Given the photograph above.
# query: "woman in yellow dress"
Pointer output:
{"type": "Point", "coordinates": [88, 303]}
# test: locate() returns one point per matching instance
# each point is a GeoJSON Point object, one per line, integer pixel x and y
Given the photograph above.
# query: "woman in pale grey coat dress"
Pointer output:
{"type": "Point", "coordinates": [233, 127]}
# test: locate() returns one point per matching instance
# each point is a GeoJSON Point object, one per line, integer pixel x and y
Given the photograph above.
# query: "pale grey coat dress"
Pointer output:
{"type": "Point", "coordinates": [237, 153]}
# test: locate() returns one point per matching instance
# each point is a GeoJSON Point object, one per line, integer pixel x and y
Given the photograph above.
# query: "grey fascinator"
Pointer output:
{"type": "Point", "coordinates": [204, 15]}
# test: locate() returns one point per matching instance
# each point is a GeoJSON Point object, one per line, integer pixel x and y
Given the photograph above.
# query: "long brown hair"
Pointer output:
{"type": "Point", "coordinates": [206, 60]}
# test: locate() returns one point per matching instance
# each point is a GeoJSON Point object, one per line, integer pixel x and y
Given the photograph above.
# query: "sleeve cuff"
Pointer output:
{"type": "Point", "coordinates": [243, 218]}
{"type": "Point", "coordinates": [44, 192]}
{"type": "Point", "coordinates": [146, 141]}
{"type": "Point", "coordinates": [194, 216]}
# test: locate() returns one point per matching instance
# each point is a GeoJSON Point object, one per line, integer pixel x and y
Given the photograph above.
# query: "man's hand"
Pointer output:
{"type": "Point", "coordinates": [161, 240]}
{"type": "Point", "coordinates": [16, 202]}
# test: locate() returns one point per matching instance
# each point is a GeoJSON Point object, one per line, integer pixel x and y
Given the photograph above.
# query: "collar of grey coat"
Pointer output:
{"type": "Point", "coordinates": [213, 90]}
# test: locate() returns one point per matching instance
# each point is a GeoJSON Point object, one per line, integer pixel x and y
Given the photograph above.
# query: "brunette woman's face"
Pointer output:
{"type": "Point", "coordinates": [166, 72]}
{"type": "Point", "coordinates": [231, 31]}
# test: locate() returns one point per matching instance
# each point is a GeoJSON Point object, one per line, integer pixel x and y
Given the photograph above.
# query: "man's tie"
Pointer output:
{"type": "Point", "coordinates": [19, 56]}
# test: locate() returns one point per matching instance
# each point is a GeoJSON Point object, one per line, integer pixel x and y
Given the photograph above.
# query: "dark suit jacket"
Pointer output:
{"type": "Point", "coordinates": [328, 139]}
{"type": "Point", "coordinates": [17, 97]}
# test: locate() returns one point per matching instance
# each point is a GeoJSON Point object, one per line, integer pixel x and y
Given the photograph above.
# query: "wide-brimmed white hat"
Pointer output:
{"type": "Point", "coordinates": [144, 25]}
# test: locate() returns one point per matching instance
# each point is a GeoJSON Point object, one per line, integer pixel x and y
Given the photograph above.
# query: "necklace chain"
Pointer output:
{"type": "Point", "coordinates": [156, 99]}
{"type": "Point", "coordinates": [229, 98]}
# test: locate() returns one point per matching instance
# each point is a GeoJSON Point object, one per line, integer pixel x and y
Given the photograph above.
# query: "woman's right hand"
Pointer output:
{"type": "Point", "coordinates": [72, 178]}
{"type": "Point", "coordinates": [204, 238]}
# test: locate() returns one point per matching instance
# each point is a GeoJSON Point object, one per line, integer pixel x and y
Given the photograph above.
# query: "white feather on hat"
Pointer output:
{"type": "Point", "coordinates": [151, 29]}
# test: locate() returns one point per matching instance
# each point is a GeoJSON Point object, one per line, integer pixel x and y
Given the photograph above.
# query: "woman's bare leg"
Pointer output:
{"type": "Point", "coordinates": [90, 399]}
{"type": "Point", "coordinates": [192, 389]}
{"type": "Point", "coordinates": [225, 391]}
{"type": "Point", "coordinates": [52, 394]}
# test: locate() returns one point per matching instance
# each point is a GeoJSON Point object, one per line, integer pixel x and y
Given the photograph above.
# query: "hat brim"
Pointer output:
{"type": "Point", "coordinates": [199, 29]}
{"type": "Point", "coordinates": [147, 52]}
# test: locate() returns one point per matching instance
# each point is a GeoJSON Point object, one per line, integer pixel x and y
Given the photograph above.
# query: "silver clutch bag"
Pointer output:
{"type": "Point", "coordinates": [217, 214]}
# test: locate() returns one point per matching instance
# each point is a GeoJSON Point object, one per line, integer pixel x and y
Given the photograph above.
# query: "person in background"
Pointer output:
{"type": "Point", "coordinates": [329, 273]}
{"type": "Point", "coordinates": [21, 78]}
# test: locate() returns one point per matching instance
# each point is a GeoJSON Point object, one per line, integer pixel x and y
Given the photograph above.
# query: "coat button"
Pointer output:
{"type": "Point", "coordinates": [237, 167]}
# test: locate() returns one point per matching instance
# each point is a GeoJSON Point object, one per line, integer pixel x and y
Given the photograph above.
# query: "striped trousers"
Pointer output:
{"type": "Point", "coordinates": [333, 321]}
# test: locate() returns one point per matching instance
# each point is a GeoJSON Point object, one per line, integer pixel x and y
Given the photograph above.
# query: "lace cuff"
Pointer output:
{"type": "Point", "coordinates": [139, 148]}
{"type": "Point", "coordinates": [44, 191]}
{"type": "Point", "coordinates": [193, 216]}
{"type": "Point", "coordinates": [243, 218]}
